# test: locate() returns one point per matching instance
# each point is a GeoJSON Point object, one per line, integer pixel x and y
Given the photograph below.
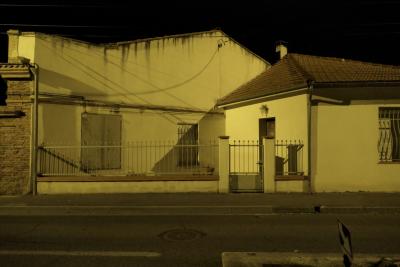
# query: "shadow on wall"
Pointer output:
{"type": "Point", "coordinates": [196, 150]}
{"type": "Point", "coordinates": [57, 80]}
{"type": "Point", "coordinates": [183, 156]}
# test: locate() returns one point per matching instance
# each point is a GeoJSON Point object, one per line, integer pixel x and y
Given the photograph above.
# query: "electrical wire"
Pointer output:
{"type": "Point", "coordinates": [87, 69]}
{"type": "Point", "coordinates": [158, 89]}
{"type": "Point", "coordinates": [62, 26]}
{"type": "Point", "coordinates": [60, 5]}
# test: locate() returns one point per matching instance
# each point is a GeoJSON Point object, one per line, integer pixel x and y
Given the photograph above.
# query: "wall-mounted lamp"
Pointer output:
{"type": "Point", "coordinates": [264, 110]}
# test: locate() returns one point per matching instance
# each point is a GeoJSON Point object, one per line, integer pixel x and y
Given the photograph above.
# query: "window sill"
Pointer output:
{"type": "Point", "coordinates": [389, 162]}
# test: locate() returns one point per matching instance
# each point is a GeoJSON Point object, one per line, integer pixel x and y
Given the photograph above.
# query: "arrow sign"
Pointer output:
{"type": "Point", "coordinates": [345, 244]}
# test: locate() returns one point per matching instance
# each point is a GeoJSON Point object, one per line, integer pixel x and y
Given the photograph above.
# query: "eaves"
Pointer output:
{"type": "Point", "coordinates": [267, 97]}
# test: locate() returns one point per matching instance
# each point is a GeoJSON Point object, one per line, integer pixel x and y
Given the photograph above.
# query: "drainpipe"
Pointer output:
{"type": "Point", "coordinates": [34, 143]}
{"type": "Point", "coordinates": [310, 92]}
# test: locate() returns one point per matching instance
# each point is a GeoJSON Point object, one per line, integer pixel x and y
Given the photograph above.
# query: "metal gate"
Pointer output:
{"type": "Point", "coordinates": [245, 166]}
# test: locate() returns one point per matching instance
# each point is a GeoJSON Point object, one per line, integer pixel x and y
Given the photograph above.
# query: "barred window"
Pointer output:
{"type": "Point", "coordinates": [187, 144]}
{"type": "Point", "coordinates": [389, 134]}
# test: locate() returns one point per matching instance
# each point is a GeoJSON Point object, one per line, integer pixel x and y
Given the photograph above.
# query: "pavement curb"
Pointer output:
{"type": "Point", "coordinates": [360, 209]}
{"type": "Point", "coordinates": [337, 210]}
{"type": "Point", "coordinates": [93, 210]}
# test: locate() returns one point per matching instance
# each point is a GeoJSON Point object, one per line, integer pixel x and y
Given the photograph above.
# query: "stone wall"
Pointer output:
{"type": "Point", "coordinates": [15, 138]}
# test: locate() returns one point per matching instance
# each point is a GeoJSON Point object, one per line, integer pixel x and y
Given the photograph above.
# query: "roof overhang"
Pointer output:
{"type": "Point", "coordinates": [14, 71]}
{"type": "Point", "coordinates": [359, 90]}
{"type": "Point", "coordinates": [357, 84]}
{"type": "Point", "coordinates": [272, 96]}
{"type": "Point", "coordinates": [336, 90]}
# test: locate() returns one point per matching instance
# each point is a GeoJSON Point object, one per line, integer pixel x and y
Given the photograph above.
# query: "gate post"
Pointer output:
{"type": "Point", "coordinates": [269, 164]}
{"type": "Point", "coordinates": [223, 154]}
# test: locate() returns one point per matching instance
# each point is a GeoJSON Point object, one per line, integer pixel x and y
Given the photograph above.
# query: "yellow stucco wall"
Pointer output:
{"type": "Point", "coordinates": [290, 121]}
{"type": "Point", "coordinates": [189, 70]}
{"type": "Point", "coordinates": [185, 71]}
{"type": "Point", "coordinates": [345, 153]}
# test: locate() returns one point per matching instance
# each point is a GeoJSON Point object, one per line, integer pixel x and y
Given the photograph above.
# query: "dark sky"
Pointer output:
{"type": "Point", "coordinates": [364, 30]}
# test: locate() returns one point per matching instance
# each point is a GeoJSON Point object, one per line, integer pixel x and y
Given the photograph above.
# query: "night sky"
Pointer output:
{"type": "Point", "coordinates": [361, 30]}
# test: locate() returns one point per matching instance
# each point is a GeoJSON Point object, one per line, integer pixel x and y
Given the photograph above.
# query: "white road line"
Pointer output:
{"type": "Point", "coordinates": [154, 215]}
{"type": "Point", "coordinates": [129, 207]}
{"type": "Point", "coordinates": [148, 254]}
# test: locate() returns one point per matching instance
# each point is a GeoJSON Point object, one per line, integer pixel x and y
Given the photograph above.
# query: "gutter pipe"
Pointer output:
{"type": "Point", "coordinates": [34, 141]}
{"type": "Point", "coordinates": [310, 93]}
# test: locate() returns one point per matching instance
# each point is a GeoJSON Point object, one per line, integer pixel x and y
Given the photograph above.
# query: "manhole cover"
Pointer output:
{"type": "Point", "coordinates": [181, 235]}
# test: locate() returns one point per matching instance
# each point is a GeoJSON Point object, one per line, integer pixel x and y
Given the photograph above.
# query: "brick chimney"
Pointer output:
{"type": "Point", "coordinates": [281, 47]}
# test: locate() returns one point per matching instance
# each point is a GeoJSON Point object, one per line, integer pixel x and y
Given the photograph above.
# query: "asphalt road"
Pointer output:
{"type": "Point", "coordinates": [182, 240]}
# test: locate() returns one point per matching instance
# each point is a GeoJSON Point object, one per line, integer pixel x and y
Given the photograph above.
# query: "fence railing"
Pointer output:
{"type": "Point", "coordinates": [130, 159]}
{"type": "Point", "coordinates": [289, 157]}
{"type": "Point", "coordinates": [58, 160]}
{"type": "Point", "coordinates": [245, 157]}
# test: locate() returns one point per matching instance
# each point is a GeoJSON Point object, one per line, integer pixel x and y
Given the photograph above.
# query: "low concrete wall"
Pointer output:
{"type": "Point", "coordinates": [289, 186]}
{"type": "Point", "coordinates": [127, 187]}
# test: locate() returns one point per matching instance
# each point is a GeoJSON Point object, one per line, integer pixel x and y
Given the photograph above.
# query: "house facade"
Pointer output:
{"type": "Point", "coordinates": [334, 122]}
{"type": "Point", "coordinates": [131, 111]}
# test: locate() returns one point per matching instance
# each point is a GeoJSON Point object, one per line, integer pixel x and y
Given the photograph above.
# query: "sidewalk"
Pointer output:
{"type": "Point", "coordinates": [264, 259]}
{"type": "Point", "coordinates": [197, 203]}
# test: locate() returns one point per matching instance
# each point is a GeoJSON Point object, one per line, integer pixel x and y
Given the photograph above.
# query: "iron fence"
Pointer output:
{"type": "Point", "coordinates": [245, 157]}
{"type": "Point", "coordinates": [289, 157]}
{"type": "Point", "coordinates": [130, 159]}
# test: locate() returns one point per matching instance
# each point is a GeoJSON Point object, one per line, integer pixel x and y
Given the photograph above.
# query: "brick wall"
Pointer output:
{"type": "Point", "coordinates": [15, 139]}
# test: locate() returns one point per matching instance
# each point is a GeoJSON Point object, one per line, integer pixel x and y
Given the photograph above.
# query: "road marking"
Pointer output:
{"type": "Point", "coordinates": [148, 254]}
{"type": "Point", "coordinates": [130, 207]}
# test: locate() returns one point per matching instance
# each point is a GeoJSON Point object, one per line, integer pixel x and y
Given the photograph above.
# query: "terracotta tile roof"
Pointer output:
{"type": "Point", "coordinates": [14, 70]}
{"type": "Point", "coordinates": [294, 71]}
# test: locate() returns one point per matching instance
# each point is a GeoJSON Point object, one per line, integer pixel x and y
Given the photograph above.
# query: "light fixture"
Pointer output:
{"type": "Point", "coordinates": [264, 110]}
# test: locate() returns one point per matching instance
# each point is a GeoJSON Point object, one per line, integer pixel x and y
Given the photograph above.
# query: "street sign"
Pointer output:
{"type": "Point", "coordinates": [345, 244]}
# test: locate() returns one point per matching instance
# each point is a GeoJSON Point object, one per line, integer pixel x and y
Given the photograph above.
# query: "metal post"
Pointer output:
{"type": "Point", "coordinates": [310, 87]}
{"type": "Point", "coordinates": [34, 142]}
